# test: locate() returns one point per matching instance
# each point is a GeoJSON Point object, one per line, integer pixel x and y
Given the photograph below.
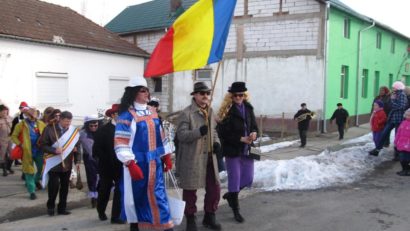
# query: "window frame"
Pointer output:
{"type": "Point", "coordinates": [365, 83]}
{"type": "Point", "coordinates": [344, 81]}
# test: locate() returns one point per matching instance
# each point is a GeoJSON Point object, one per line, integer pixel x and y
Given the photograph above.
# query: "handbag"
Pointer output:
{"type": "Point", "coordinates": [176, 204]}
{"type": "Point", "coordinates": [16, 153]}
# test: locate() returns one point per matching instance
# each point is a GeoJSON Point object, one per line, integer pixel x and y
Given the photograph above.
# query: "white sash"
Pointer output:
{"type": "Point", "coordinates": [67, 141]}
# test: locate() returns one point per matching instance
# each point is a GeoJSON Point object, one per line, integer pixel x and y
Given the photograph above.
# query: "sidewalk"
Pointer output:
{"type": "Point", "coordinates": [16, 205]}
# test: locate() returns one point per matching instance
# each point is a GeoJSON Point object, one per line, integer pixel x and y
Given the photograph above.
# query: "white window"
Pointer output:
{"type": "Point", "coordinates": [117, 85]}
{"type": "Point", "coordinates": [52, 88]}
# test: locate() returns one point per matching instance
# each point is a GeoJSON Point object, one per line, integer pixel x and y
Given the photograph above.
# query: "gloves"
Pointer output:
{"type": "Point", "coordinates": [166, 160]}
{"type": "Point", "coordinates": [135, 171]}
{"type": "Point", "coordinates": [203, 130]}
{"type": "Point", "coordinates": [216, 147]}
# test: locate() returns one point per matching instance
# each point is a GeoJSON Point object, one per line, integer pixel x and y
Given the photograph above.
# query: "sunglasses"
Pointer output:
{"type": "Point", "coordinates": [144, 90]}
{"type": "Point", "coordinates": [204, 93]}
{"type": "Point", "coordinates": [238, 95]}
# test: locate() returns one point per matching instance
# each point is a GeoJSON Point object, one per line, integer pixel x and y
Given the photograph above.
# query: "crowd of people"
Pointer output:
{"type": "Point", "coordinates": [131, 152]}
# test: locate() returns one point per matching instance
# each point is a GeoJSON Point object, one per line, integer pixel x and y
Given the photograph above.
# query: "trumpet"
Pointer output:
{"type": "Point", "coordinates": [305, 115]}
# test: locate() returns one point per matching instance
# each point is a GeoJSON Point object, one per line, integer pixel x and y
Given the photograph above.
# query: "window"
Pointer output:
{"type": "Point", "coordinates": [52, 88]}
{"type": "Point", "coordinates": [116, 86]}
{"type": "Point", "coordinates": [346, 28]}
{"type": "Point", "coordinates": [365, 81]}
{"type": "Point", "coordinates": [390, 80]}
{"type": "Point", "coordinates": [204, 74]}
{"type": "Point", "coordinates": [379, 40]}
{"type": "Point", "coordinates": [406, 80]}
{"type": "Point", "coordinates": [376, 82]}
{"type": "Point", "coordinates": [407, 67]}
{"type": "Point", "coordinates": [393, 45]}
{"type": "Point", "coordinates": [344, 80]}
{"type": "Point", "coordinates": [157, 84]}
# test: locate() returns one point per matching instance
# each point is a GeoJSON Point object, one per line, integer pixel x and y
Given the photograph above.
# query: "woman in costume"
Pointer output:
{"type": "Point", "coordinates": [237, 131]}
{"type": "Point", "coordinates": [142, 148]}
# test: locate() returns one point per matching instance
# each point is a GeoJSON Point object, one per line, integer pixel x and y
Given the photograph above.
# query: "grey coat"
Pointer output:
{"type": "Point", "coordinates": [192, 152]}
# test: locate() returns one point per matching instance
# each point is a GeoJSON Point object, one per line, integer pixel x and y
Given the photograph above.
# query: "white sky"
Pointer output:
{"type": "Point", "coordinates": [393, 13]}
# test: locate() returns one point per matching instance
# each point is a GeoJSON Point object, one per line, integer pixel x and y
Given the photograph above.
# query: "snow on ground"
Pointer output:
{"type": "Point", "coordinates": [318, 171]}
{"type": "Point", "coordinates": [271, 147]}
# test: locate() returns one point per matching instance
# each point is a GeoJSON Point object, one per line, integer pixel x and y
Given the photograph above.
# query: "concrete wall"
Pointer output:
{"type": "Point", "coordinates": [276, 48]}
{"type": "Point", "coordinates": [88, 74]}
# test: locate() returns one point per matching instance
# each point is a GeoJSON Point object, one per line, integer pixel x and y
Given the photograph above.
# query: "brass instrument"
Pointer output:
{"type": "Point", "coordinates": [305, 115]}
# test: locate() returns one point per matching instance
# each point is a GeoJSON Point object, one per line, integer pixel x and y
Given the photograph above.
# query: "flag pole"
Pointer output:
{"type": "Point", "coordinates": [214, 82]}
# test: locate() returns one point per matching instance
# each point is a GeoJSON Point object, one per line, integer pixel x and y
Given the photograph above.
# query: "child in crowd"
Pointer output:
{"type": "Point", "coordinates": [377, 120]}
{"type": "Point", "coordinates": [402, 142]}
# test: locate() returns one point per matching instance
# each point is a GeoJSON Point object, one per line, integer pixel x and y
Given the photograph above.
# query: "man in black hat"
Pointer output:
{"type": "Point", "coordinates": [341, 115]}
{"type": "Point", "coordinates": [196, 161]}
{"type": "Point", "coordinates": [303, 116]}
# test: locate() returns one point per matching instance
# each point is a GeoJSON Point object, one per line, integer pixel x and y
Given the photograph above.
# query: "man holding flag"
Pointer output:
{"type": "Point", "coordinates": [60, 144]}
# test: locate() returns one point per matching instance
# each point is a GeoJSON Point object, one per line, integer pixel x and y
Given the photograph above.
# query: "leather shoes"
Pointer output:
{"type": "Point", "coordinates": [65, 212]}
{"type": "Point", "coordinates": [102, 216]}
{"type": "Point", "coordinates": [50, 212]}
{"type": "Point", "coordinates": [117, 221]}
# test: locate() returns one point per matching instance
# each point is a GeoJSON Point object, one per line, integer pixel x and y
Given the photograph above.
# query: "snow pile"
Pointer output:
{"type": "Point", "coordinates": [318, 171]}
{"type": "Point", "coordinates": [271, 147]}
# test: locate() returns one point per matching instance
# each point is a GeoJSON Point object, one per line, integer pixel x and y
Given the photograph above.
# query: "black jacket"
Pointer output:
{"type": "Point", "coordinates": [340, 115]}
{"type": "Point", "coordinates": [303, 116]}
{"type": "Point", "coordinates": [231, 129]}
{"type": "Point", "coordinates": [103, 151]}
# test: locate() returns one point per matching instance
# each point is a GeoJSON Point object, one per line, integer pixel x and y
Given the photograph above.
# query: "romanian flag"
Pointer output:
{"type": "Point", "coordinates": [196, 38]}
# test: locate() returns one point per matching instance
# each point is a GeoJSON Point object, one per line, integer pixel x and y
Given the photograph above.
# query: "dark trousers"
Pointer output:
{"type": "Point", "coordinates": [58, 181]}
{"type": "Point", "coordinates": [341, 130]}
{"type": "Point", "coordinates": [386, 134]}
{"type": "Point", "coordinates": [212, 193]}
{"type": "Point", "coordinates": [91, 171]}
{"type": "Point", "coordinates": [302, 135]}
{"type": "Point", "coordinates": [104, 189]}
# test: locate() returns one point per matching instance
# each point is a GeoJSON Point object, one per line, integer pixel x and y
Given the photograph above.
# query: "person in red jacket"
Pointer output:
{"type": "Point", "coordinates": [377, 120]}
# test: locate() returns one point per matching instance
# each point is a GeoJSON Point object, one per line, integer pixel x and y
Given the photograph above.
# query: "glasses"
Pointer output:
{"type": "Point", "coordinates": [204, 93]}
{"type": "Point", "coordinates": [238, 95]}
{"type": "Point", "coordinates": [144, 90]}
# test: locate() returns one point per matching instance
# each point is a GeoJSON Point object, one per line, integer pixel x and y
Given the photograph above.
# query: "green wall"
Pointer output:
{"type": "Point", "coordinates": [344, 52]}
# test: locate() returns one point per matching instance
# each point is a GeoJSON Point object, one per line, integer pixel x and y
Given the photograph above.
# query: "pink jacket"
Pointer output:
{"type": "Point", "coordinates": [402, 140]}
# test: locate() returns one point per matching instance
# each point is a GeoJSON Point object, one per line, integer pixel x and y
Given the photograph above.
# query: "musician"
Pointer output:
{"type": "Point", "coordinates": [303, 116]}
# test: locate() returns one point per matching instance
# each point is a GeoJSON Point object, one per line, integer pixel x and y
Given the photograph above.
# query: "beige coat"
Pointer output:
{"type": "Point", "coordinates": [192, 153]}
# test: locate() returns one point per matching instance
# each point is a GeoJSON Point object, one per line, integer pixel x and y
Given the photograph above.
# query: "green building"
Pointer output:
{"type": "Point", "coordinates": [361, 56]}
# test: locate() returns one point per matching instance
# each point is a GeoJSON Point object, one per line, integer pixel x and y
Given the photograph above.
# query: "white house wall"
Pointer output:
{"type": "Point", "coordinates": [88, 74]}
{"type": "Point", "coordinates": [277, 49]}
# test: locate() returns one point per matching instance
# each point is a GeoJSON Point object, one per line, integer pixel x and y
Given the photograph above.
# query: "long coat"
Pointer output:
{"type": "Point", "coordinates": [23, 127]}
{"type": "Point", "coordinates": [232, 128]}
{"type": "Point", "coordinates": [103, 151]}
{"type": "Point", "coordinates": [192, 151]}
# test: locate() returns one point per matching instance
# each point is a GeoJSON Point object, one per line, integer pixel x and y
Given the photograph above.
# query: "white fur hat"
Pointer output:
{"type": "Point", "coordinates": [407, 113]}
{"type": "Point", "coordinates": [137, 81]}
{"type": "Point", "coordinates": [92, 118]}
{"type": "Point", "coordinates": [399, 85]}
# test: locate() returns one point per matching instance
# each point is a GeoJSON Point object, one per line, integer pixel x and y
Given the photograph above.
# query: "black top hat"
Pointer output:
{"type": "Point", "coordinates": [200, 86]}
{"type": "Point", "coordinates": [237, 87]}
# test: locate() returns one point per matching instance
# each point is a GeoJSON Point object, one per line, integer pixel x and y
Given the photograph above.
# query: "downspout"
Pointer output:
{"type": "Point", "coordinates": [359, 54]}
{"type": "Point", "coordinates": [326, 47]}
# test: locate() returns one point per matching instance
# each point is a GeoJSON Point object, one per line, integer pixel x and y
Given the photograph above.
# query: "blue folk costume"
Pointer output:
{"type": "Point", "coordinates": [139, 137]}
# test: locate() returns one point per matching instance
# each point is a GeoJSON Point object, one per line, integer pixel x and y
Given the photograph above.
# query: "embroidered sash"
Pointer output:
{"type": "Point", "coordinates": [67, 141]}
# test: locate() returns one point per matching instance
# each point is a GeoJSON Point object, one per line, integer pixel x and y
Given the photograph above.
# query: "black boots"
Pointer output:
{"type": "Point", "coordinates": [406, 169]}
{"type": "Point", "coordinates": [374, 152]}
{"type": "Point", "coordinates": [4, 167]}
{"type": "Point", "coordinates": [134, 227]}
{"type": "Point", "coordinates": [232, 198]}
{"type": "Point", "coordinates": [191, 223]}
{"type": "Point", "coordinates": [210, 222]}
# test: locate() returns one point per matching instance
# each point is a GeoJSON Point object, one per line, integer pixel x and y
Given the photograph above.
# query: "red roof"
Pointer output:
{"type": "Point", "coordinates": [39, 21]}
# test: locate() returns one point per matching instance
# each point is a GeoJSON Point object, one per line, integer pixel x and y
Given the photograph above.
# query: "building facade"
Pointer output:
{"type": "Point", "coordinates": [288, 52]}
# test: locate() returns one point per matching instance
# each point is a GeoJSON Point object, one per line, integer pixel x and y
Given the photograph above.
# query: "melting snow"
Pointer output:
{"type": "Point", "coordinates": [317, 171]}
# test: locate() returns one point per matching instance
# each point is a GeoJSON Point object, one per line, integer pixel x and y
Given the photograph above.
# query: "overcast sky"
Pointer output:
{"type": "Point", "coordinates": [393, 13]}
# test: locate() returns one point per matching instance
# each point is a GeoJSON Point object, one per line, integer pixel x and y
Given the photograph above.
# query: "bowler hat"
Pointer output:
{"type": "Point", "coordinates": [200, 87]}
{"type": "Point", "coordinates": [114, 108]}
{"type": "Point", "coordinates": [237, 87]}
